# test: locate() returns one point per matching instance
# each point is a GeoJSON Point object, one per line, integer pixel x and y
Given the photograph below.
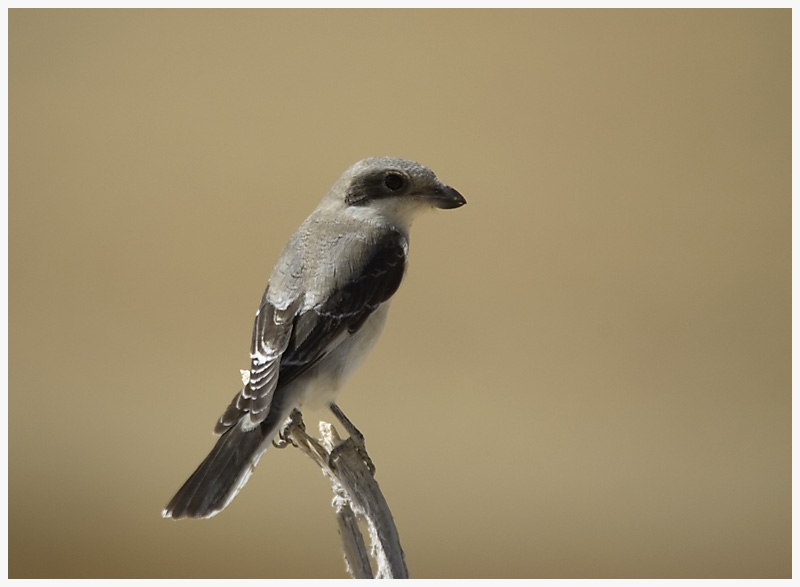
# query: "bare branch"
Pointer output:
{"type": "Point", "coordinates": [356, 492]}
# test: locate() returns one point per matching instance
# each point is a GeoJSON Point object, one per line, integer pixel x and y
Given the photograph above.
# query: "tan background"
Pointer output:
{"type": "Point", "coordinates": [585, 374]}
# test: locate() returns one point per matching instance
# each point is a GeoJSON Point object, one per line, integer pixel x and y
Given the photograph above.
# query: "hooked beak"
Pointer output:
{"type": "Point", "coordinates": [445, 197]}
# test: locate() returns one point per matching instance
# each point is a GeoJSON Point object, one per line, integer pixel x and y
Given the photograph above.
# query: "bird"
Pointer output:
{"type": "Point", "coordinates": [324, 306]}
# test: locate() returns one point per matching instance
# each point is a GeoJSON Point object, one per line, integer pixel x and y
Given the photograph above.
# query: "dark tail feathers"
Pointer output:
{"type": "Point", "coordinates": [220, 476]}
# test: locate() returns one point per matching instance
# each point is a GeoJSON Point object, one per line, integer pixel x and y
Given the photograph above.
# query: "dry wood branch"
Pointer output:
{"type": "Point", "coordinates": [356, 492]}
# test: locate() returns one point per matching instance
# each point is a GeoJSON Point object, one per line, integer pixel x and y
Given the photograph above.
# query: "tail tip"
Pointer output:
{"type": "Point", "coordinates": [172, 513]}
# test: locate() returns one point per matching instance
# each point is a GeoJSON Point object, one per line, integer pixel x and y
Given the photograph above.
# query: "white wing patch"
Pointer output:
{"type": "Point", "coordinates": [271, 335]}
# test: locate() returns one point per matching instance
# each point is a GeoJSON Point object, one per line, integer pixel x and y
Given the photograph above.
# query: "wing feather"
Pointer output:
{"type": "Point", "coordinates": [286, 343]}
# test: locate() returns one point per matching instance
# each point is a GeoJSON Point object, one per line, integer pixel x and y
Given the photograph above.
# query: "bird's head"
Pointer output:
{"type": "Point", "coordinates": [393, 189]}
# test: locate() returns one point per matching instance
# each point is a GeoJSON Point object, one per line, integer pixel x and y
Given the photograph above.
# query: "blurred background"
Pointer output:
{"type": "Point", "coordinates": [586, 372]}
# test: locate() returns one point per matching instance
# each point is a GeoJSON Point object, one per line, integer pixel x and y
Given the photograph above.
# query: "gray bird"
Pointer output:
{"type": "Point", "coordinates": [324, 307]}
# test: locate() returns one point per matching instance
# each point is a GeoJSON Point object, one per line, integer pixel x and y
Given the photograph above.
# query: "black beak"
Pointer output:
{"type": "Point", "coordinates": [446, 198]}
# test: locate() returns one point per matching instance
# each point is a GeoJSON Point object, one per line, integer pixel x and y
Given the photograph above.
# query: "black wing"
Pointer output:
{"type": "Point", "coordinates": [286, 344]}
{"type": "Point", "coordinates": [317, 331]}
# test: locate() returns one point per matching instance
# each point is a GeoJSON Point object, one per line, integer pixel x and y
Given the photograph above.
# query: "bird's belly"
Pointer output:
{"type": "Point", "coordinates": [323, 383]}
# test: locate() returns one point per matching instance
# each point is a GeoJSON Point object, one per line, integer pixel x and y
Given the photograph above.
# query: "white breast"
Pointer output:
{"type": "Point", "coordinates": [322, 383]}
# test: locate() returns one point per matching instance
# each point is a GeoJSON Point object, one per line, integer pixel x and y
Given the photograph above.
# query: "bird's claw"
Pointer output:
{"type": "Point", "coordinates": [357, 444]}
{"type": "Point", "coordinates": [295, 420]}
{"type": "Point", "coordinates": [356, 438]}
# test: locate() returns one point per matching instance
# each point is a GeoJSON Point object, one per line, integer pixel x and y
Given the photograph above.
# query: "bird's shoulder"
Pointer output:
{"type": "Point", "coordinates": [337, 254]}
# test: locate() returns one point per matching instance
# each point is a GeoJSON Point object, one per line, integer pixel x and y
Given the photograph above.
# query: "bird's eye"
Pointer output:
{"type": "Point", "coordinates": [393, 181]}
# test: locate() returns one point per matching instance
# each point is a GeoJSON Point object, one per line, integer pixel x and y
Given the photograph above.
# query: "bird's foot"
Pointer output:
{"type": "Point", "coordinates": [295, 420]}
{"type": "Point", "coordinates": [356, 438]}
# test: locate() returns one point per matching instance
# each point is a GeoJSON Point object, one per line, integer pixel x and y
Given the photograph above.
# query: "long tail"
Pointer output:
{"type": "Point", "coordinates": [221, 475]}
